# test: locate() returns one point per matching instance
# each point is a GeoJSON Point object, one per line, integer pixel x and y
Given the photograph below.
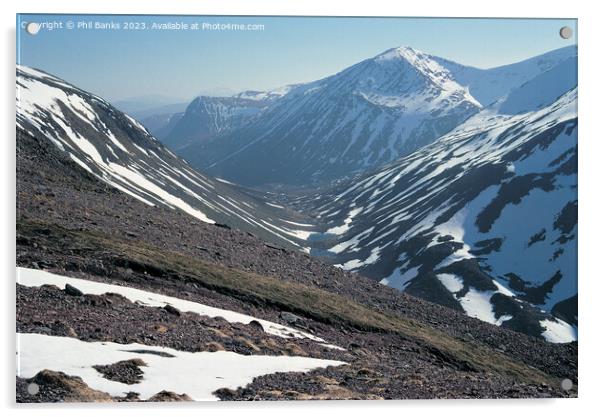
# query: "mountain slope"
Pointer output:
{"type": "Point", "coordinates": [209, 116]}
{"type": "Point", "coordinates": [160, 125]}
{"type": "Point", "coordinates": [362, 117]}
{"type": "Point", "coordinates": [206, 117]}
{"type": "Point", "coordinates": [483, 220]}
{"type": "Point", "coordinates": [542, 90]}
{"type": "Point", "coordinates": [117, 149]}
{"type": "Point", "coordinates": [489, 85]}
{"type": "Point", "coordinates": [76, 226]}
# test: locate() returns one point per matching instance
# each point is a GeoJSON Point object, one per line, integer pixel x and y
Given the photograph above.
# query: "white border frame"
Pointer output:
{"type": "Point", "coordinates": [590, 153]}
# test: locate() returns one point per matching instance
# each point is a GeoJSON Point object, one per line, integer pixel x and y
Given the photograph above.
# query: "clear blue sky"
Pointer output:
{"type": "Point", "coordinates": [120, 64]}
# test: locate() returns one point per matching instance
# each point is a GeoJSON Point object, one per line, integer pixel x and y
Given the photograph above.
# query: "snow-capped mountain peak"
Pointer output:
{"type": "Point", "coordinates": [364, 116]}
{"type": "Point", "coordinates": [425, 74]}
{"type": "Point", "coordinates": [267, 95]}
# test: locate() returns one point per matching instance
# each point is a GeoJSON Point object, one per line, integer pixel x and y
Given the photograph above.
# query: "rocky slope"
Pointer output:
{"type": "Point", "coordinates": [74, 224]}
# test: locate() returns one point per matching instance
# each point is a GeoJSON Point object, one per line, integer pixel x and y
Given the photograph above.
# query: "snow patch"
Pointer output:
{"type": "Point", "coordinates": [558, 331]}
{"type": "Point", "coordinates": [451, 282]}
{"type": "Point", "coordinates": [339, 230]}
{"type": "Point", "coordinates": [197, 374]}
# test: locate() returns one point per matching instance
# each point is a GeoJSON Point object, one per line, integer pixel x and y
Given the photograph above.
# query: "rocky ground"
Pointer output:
{"type": "Point", "coordinates": [397, 346]}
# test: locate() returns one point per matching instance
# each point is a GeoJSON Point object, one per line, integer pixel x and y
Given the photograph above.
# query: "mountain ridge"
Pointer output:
{"type": "Point", "coordinates": [387, 106]}
{"type": "Point", "coordinates": [383, 107]}
{"type": "Point", "coordinates": [437, 223]}
{"type": "Point", "coordinates": [116, 148]}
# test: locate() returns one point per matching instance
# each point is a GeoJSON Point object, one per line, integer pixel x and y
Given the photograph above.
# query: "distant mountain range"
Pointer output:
{"type": "Point", "coordinates": [207, 116]}
{"type": "Point", "coordinates": [144, 106]}
{"type": "Point", "coordinates": [363, 117]}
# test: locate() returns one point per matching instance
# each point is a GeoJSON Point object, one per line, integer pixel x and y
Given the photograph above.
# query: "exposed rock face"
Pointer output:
{"type": "Point", "coordinates": [127, 372]}
{"type": "Point", "coordinates": [49, 386]}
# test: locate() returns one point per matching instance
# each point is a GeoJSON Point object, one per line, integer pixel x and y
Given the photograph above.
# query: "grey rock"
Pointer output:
{"type": "Point", "coordinates": [71, 290]}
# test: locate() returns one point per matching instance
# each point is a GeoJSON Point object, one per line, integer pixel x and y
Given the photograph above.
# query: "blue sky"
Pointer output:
{"type": "Point", "coordinates": [120, 64]}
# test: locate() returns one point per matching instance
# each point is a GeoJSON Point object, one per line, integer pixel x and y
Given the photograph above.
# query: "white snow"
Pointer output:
{"type": "Point", "coordinates": [339, 230]}
{"type": "Point", "coordinates": [224, 181]}
{"type": "Point", "coordinates": [436, 73]}
{"type": "Point", "coordinates": [298, 224]}
{"type": "Point", "coordinates": [142, 182]}
{"type": "Point", "coordinates": [477, 304]}
{"type": "Point", "coordinates": [451, 282]}
{"type": "Point", "coordinates": [36, 278]}
{"type": "Point", "coordinates": [541, 90]}
{"type": "Point", "coordinates": [398, 279]}
{"type": "Point", "coordinates": [299, 234]}
{"type": "Point", "coordinates": [487, 85]}
{"type": "Point", "coordinates": [351, 244]}
{"type": "Point", "coordinates": [503, 290]}
{"type": "Point", "coordinates": [558, 331]}
{"type": "Point", "coordinates": [357, 263]}
{"type": "Point", "coordinates": [136, 123]}
{"type": "Point", "coordinates": [197, 374]}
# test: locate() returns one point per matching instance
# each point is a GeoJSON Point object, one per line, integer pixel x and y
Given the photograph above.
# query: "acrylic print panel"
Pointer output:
{"type": "Point", "coordinates": [295, 208]}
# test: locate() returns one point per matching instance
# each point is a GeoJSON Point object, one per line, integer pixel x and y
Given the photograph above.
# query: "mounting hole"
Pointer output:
{"type": "Point", "coordinates": [32, 28]}
{"type": "Point", "coordinates": [33, 389]}
{"type": "Point", "coordinates": [566, 384]}
{"type": "Point", "coordinates": [566, 32]}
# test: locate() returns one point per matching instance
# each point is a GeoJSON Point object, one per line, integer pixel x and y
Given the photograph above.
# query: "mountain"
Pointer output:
{"type": "Point", "coordinates": [155, 305]}
{"type": "Point", "coordinates": [115, 148]}
{"type": "Point", "coordinates": [362, 117]}
{"type": "Point", "coordinates": [427, 224]}
{"type": "Point", "coordinates": [206, 117]}
{"type": "Point", "coordinates": [489, 85]}
{"type": "Point", "coordinates": [541, 90]}
{"type": "Point", "coordinates": [483, 220]}
{"type": "Point", "coordinates": [160, 124]}
{"type": "Point", "coordinates": [144, 106]}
